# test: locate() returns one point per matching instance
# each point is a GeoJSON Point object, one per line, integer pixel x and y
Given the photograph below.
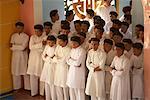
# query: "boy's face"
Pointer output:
{"type": "Point", "coordinates": [78, 27]}
{"type": "Point", "coordinates": [19, 29]}
{"type": "Point", "coordinates": [119, 51]}
{"type": "Point", "coordinates": [61, 42]}
{"type": "Point", "coordinates": [136, 51]}
{"type": "Point", "coordinates": [94, 45]}
{"type": "Point", "coordinates": [64, 31]}
{"type": "Point", "coordinates": [107, 47]}
{"type": "Point", "coordinates": [124, 28]}
{"type": "Point", "coordinates": [127, 46]}
{"type": "Point", "coordinates": [117, 39]}
{"type": "Point", "coordinates": [137, 30]}
{"type": "Point", "coordinates": [74, 44]}
{"type": "Point", "coordinates": [111, 34]}
{"type": "Point", "coordinates": [84, 28]}
{"type": "Point", "coordinates": [99, 35]}
{"type": "Point", "coordinates": [141, 34]}
{"type": "Point", "coordinates": [116, 26]}
{"type": "Point", "coordinates": [51, 43]}
{"type": "Point", "coordinates": [56, 17]}
{"type": "Point", "coordinates": [38, 32]}
{"type": "Point", "coordinates": [71, 17]}
{"type": "Point", "coordinates": [47, 29]}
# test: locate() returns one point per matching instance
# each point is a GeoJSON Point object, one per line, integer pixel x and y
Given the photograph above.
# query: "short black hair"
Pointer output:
{"type": "Point", "coordinates": [65, 25]}
{"type": "Point", "coordinates": [129, 41]}
{"type": "Point", "coordinates": [77, 21]}
{"type": "Point", "coordinates": [109, 41]}
{"type": "Point", "coordinates": [90, 12]}
{"type": "Point", "coordinates": [38, 26]}
{"type": "Point", "coordinates": [138, 46]}
{"type": "Point", "coordinates": [82, 34]}
{"type": "Point", "coordinates": [96, 17]}
{"type": "Point", "coordinates": [141, 27]}
{"type": "Point", "coordinates": [63, 37]}
{"type": "Point", "coordinates": [86, 22]}
{"type": "Point", "coordinates": [51, 38]}
{"type": "Point", "coordinates": [94, 39]}
{"type": "Point", "coordinates": [69, 12]}
{"type": "Point", "coordinates": [116, 21]}
{"type": "Point", "coordinates": [19, 24]}
{"type": "Point", "coordinates": [126, 9]}
{"type": "Point", "coordinates": [113, 30]}
{"type": "Point", "coordinates": [120, 45]}
{"type": "Point", "coordinates": [117, 33]}
{"type": "Point", "coordinates": [125, 23]}
{"type": "Point", "coordinates": [100, 28]}
{"type": "Point", "coordinates": [48, 24]}
{"type": "Point", "coordinates": [53, 12]}
{"type": "Point", "coordinates": [76, 39]}
{"type": "Point", "coordinates": [113, 13]}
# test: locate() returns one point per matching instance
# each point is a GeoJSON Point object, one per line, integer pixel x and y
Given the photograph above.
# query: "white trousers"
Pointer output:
{"type": "Point", "coordinates": [62, 93]}
{"type": "Point", "coordinates": [50, 92]}
{"type": "Point", "coordinates": [35, 86]}
{"type": "Point", "coordinates": [97, 98]}
{"type": "Point", "coordinates": [17, 82]}
{"type": "Point", "coordinates": [77, 94]}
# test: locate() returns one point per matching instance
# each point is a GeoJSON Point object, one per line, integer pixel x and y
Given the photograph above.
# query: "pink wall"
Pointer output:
{"type": "Point", "coordinates": [147, 65]}
{"type": "Point", "coordinates": [27, 15]}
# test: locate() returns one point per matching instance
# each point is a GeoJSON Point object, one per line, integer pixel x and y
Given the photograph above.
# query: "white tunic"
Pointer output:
{"type": "Point", "coordinates": [76, 74]}
{"type": "Point", "coordinates": [108, 76]}
{"type": "Point", "coordinates": [103, 12]}
{"type": "Point", "coordinates": [95, 82]}
{"type": "Point", "coordinates": [56, 28]}
{"type": "Point", "coordinates": [137, 76]}
{"type": "Point", "coordinates": [47, 74]}
{"type": "Point", "coordinates": [120, 87]}
{"type": "Point", "coordinates": [61, 70]}
{"type": "Point", "coordinates": [19, 53]}
{"type": "Point", "coordinates": [35, 63]}
{"type": "Point", "coordinates": [127, 35]}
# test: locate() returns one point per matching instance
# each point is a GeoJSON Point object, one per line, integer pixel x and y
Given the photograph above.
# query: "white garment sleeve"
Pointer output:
{"type": "Point", "coordinates": [33, 46]}
{"type": "Point", "coordinates": [126, 67]}
{"type": "Point", "coordinates": [21, 46]}
{"type": "Point", "coordinates": [102, 61]}
{"type": "Point", "coordinates": [89, 64]}
{"type": "Point", "coordinates": [78, 61]}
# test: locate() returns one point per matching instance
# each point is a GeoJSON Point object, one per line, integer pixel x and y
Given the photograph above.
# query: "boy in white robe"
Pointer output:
{"type": "Point", "coordinates": [105, 9]}
{"type": "Point", "coordinates": [76, 74]}
{"type": "Point", "coordinates": [77, 25]}
{"type": "Point", "coordinates": [55, 21]}
{"type": "Point", "coordinates": [137, 61]}
{"type": "Point", "coordinates": [70, 18]}
{"type": "Point", "coordinates": [95, 62]}
{"type": "Point", "coordinates": [35, 62]}
{"type": "Point", "coordinates": [113, 15]}
{"type": "Point", "coordinates": [125, 32]}
{"type": "Point", "coordinates": [127, 11]}
{"type": "Point", "coordinates": [120, 66]}
{"type": "Point", "coordinates": [19, 46]}
{"type": "Point", "coordinates": [89, 17]}
{"type": "Point", "coordinates": [47, 75]}
{"type": "Point", "coordinates": [128, 47]}
{"type": "Point", "coordinates": [110, 54]}
{"type": "Point", "coordinates": [61, 70]}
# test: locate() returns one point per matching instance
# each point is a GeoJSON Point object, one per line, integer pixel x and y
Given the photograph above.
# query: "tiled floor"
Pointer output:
{"type": "Point", "coordinates": [25, 95]}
